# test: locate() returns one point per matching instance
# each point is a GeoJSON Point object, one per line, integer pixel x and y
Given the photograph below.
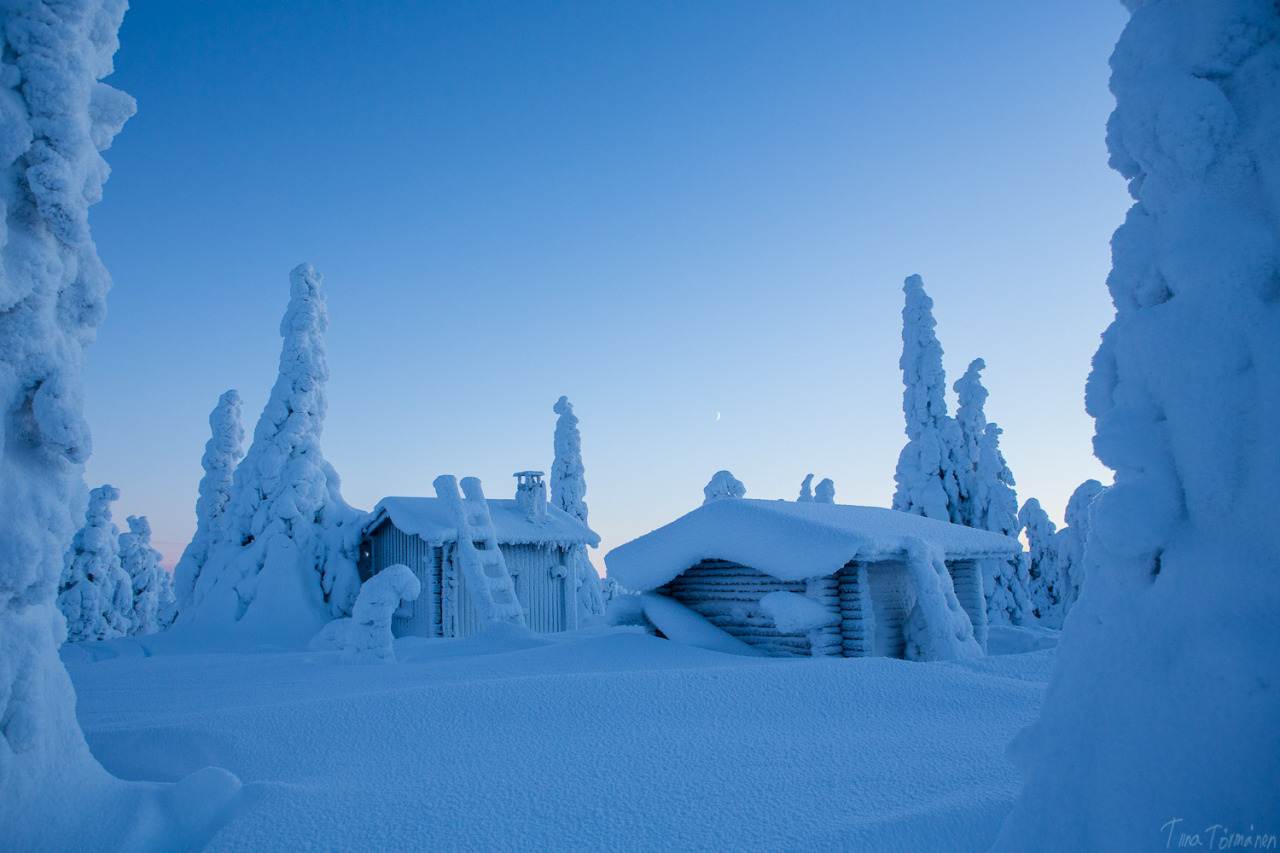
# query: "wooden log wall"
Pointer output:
{"type": "Point", "coordinates": [892, 598]}
{"type": "Point", "coordinates": [826, 641]}
{"type": "Point", "coordinates": [966, 577]}
{"type": "Point", "coordinates": [857, 616]}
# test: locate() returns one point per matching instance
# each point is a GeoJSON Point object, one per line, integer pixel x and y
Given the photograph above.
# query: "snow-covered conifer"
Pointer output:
{"type": "Point", "coordinates": [286, 562]}
{"type": "Point", "coordinates": [825, 493]}
{"type": "Point", "coordinates": [568, 489]}
{"type": "Point", "coordinates": [925, 476]}
{"type": "Point", "coordinates": [1160, 713]}
{"type": "Point", "coordinates": [722, 485]}
{"type": "Point", "coordinates": [806, 490]}
{"type": "Point", "coordinates": [151, 585]}
{"type": "Point", "coordinates": [1042, 561]}
{"type": "Point", "coordinates": [92, 597]}
{"type": "Point", "coordinates": [222, 453]}
{"type": "Point", "coordinates": [1070, 540]}
{"type": "Point", "coordinates": [54, 119]}
{"type": "Point", "coordinates": [971, 418]}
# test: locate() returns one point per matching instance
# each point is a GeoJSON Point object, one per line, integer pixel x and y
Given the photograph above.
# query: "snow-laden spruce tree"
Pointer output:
{"type": "Point", "coordinates": [722, 485]}
{"type": "Point", "coordinates": [286, 561]}
{"type": "Point", "coordinates": [95, 597]}
{"type": "Point", "coordinates": [222, 453]}
{"type": "Point", "coordinates": [806, 490]}
{"type": "Point", "coordinates": [568, 492]}
{"type": "Point", "coordinates": [1160, 717]}
{"type": "Point", "coordinates": [1069, 542]}
{"type": "Point", "coordinates": [925, 476]}
{"type": "Point", "coordinates": [1042, 561]}
{"type": "Point", "coordinates": [151, 586]}
{"type": "Point", "coordinates": [825, 492]}
{"type": "Point", "coordinates": [971, 418]}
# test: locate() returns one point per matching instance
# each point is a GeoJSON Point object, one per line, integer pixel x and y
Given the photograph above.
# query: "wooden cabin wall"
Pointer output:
{"type": "Point", "coordinates": [966, 577]}
{"type": "Point", "coordinates": [857, 616]}
{"type": "Point", "coordinates": [543, 596]}
{"type": "Point", "coordinates": [389, 545]}
{"type": "Point", "coordinates": [728, 596]}
{"type": "Point", "coordinates": [892, 598]}
{"type": "Point", "coordinates": [827, 640]}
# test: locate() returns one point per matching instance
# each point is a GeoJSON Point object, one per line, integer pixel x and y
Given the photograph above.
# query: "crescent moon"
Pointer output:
{"type": "Point", "coordinates": [717, 416]}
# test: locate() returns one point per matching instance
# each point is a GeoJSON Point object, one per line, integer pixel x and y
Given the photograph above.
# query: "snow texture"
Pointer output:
{"type": "Point", "coordinates": [794, 613]}
{"type": "Point", "coordinates": [1042, 562]}
{"type": "Point", "coordinates": [430, 519]}
{"type": "Point", "coordinates": [151, 586]}
{"type": "Point", "coordinates": [222, 454]}
{"type": "Point", "coordinates": [806, 490]}
{"type": "Point", "coordinates": [791, 541]}
{"type": "Point", "coordinates": [366, 636]}
{"type": "Point", "coordinates": [679, 623]}
{"type": "Point", "coordinates": [937, 628]}
{"type": "Point", "coordinates": [95, 594]}
{"type": "Point", "coordinates": [925, 476]}
{"type": "Point", "coordinates": [1160, 717]}
{"type": "Point", "coordinates": [1070, 541]}
{"type": "Point", "coordinates": [722, 485]}
{"type": "Point", "coordinates": [568, 487]}
{"type": "Point", "coordinates": [825, 493]}
{"type": "Point", "coordinates": [286, 562]}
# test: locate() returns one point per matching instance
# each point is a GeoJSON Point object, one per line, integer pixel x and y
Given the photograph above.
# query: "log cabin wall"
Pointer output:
{"type": "Point", "coordinates": [826, 641]}
{"type": "Point", "coordinates": [728, 596]}
{"type": "Point", "coordinates": [857, 617]}
{"type": "Point", "coordinates": [892, 598]}
{"type": "Point", "coordinates": [966, 577]}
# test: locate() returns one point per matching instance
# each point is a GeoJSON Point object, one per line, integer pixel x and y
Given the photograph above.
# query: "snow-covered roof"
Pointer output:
{"type": "Point", "coordinates": [429, 519]}
{"type": "Point", "coordinates": [790, 540]}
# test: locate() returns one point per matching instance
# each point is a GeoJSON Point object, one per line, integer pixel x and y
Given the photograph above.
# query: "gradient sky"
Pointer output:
{"type": "Point", "coordinates": [664, 210]}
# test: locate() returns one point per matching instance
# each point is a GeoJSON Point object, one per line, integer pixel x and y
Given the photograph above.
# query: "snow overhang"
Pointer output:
{"type": "Point", "coordinates": [428, 519]}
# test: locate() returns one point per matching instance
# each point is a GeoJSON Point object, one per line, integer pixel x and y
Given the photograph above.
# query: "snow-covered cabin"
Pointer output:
{"type": "Point", "coordinates": [535, 539]}
{"type": "Point", "coordinates": [866, 567]}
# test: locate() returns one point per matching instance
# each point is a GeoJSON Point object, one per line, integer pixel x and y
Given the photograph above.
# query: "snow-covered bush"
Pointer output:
{"type": "Point", "coordinates": [54, 119]}
{"type": "Point", "coordinates": [368, 637]}
{"type": "Point", "coordinates": [151, 585]}
{"type": "Point", "coordinates": [825, 493]}
{"type": "Point", "coordinates": [1069, 542]}
{"type": "Point", "coordinates": [95, 595]}
{"type": "Point", "coordinates": [222, 454]}
{"type": "Point", "coordinates": [1042, 561]}
{"type": "Point", "coordinates": [1160, 716]}
{"type": "Point", "coordinates": [286, 561]}
{"type": "Point", "coordinates": [722, 485]}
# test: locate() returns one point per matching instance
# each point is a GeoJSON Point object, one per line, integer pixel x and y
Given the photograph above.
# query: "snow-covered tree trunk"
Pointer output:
{"type": "Point", "coordinates": [151, 586]}
{"type": "Point", "coordinates": [1042, 561]}
{"type": "Point", "coordinates": [1161, 713]}
{"type": "Point", "coordinates": [1070, 540]}
{"type": "Point", "coordinates": [222, 454]}
{"type": "Point", "coordinates": [54, 119]}
{"type": "Point", "coordinates": [925, 476]}
{"type": "Point", "coordinates": [286, 562]}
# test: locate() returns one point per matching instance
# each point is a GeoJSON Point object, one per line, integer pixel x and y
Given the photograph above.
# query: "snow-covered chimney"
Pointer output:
{"type": "Point", "coordinates": [531, 494]}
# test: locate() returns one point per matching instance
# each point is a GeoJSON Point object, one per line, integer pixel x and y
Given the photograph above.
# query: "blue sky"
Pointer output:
{"type": "Point", "coordinates": [663, 210]}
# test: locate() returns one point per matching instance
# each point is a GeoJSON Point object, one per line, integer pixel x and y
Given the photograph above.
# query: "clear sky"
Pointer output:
{"type": "Point", "coordinates": [664, 210]}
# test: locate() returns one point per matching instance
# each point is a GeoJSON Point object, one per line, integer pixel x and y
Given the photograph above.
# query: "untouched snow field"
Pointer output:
{"type": "Point", "coordinates": [600, 739]}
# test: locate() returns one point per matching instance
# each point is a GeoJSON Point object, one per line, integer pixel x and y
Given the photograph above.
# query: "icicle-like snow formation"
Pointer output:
{"type": "Point", "coordinates": [286, 562]}
{"type": "Point", "coordinates": [568, 488]}
{"type": "Point", "coordinates": [1042, 562]}
{"type": "Point", "coordinates": [94, 595]}
{"type": "Point", "coordinates": [1160, 718]}
{"type": "Point", "coordinates": [722, 485]}
{"type": "Point", "coordinates": [925, 474]}
{"type": "Point", "coordinates": [1070, 540]}
{"type": "Point", "coordinates": [222, 454]}
{"type": "Point", "coordinates": [151, 585]}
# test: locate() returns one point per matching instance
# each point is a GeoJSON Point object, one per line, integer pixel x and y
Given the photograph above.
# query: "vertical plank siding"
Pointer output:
{"type": "Point", "coordinates": [387, 546]}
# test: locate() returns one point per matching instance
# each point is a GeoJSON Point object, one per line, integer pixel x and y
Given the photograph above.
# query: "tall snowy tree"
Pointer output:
{"type": "Point", "coordinates": [54, 119]}
{"type": "Point", "coordinates": [1042, 561]}
{"type": "Point", "coordinates": [1070, 540]}
{"type": "Point", "coordinates": [95, 596]}
{"type": "Point", "coordinates": [925, 474]}
{"type": "Point", "coordinates": [1160, 715]}
{"type": "Point", "coordinates": [286, 562]}
{"type": "Point", "coordinates": [151, 586]}
{"type": "Point", "coordinates": [568, 490]}
{"type": "Point", "coordinates": [806, 490]}
{"type": "Point", "coordinates": [222, 453]}
{"type": "Point", "coordinates": [971, 418]}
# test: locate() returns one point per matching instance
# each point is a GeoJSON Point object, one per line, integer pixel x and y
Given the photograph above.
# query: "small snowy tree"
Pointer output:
{"type": "Point", "coordinates": [151, 585]}
{"type": "Point", "coordinates": [722, 485]}
{"type": "Point", "coordinates": [825, 493]}
{"type": "Point", "coordinates": [286, 562]}
{"type": "Point", "coordinates": [1070, 540]}
{"type": "Point", "coordinates": [925, 476]}
{"type": "Point", "coordinates": [1042, 561]}
{"type": "Point", "coordinates": [366, 637]}
{"type": "Point", "coordinates": [806, 490]}
{"type": "Point", "coordinates": [95, 596]}
{"type": "Point", "coordinates": [222, 453]}
{"type": "Point", "coordinates": [568, 490]}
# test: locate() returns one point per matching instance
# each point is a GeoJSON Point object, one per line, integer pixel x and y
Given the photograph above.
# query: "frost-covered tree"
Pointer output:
{"type": "Point", "coordinates": [222, 453]}
{"type": "Point", "coordinates": [1070, 540]}
{"type": "Point", "coordinates": [722, 485]}
{"type": "Point", "coordinates": [151, 586]}
{"type": "Point", "coordinates": [1160, 714]}
{"type": "Point", "coordinates": [1042, 561]}
{"type": "Point", "coordinates": [286, 562]}
{"type": "Point", "coordinates": [806, 490]}
{"type": "Point", "coordinates": [55, 118]}
{"type": "Point", "coordinates": [95, 597]}
{"type": "Point", "coordinates": [925, 476]}
{"type": "Point", "coordinates": [825, 493]}
{"type": "Point", "coordinates": [971, 419]}
{"type": "Point", "coordinates": [568, 490]}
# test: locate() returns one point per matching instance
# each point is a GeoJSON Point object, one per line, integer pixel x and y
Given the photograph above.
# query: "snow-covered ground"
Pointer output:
{"type": "Point", "coordinates": [601, 739]}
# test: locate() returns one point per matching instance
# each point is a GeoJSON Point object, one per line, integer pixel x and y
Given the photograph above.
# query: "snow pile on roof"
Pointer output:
{"type": "Point", "coordinates": [429, 518]}
{"type": "Point", "coordinates": [1160, 721]}
{"type": "Point", "coordinates": [790, 540]}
